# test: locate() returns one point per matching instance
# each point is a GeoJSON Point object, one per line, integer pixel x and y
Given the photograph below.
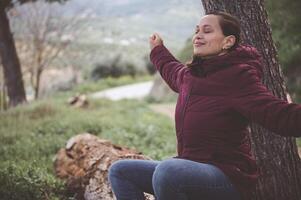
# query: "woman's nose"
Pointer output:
{"type": "Point", "coordinates": [198, 36]}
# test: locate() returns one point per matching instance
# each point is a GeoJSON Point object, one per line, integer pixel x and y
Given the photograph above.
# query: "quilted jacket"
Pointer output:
{"type": "Point", "coordinates": [214, 108]}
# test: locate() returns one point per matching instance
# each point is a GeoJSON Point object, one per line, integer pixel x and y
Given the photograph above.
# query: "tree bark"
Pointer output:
{"type": "Point", "coordinates": [277, 157]}
{"type": "Point", "coordinates": [10, 62]}
{"type": "Point", "coordinates": [84, 164]}
{"type": "Point", "coordinates": [37, 83]}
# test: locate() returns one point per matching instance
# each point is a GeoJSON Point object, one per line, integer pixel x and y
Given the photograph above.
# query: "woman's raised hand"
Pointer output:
{"type": "Point", "coordinates": [155, 40]}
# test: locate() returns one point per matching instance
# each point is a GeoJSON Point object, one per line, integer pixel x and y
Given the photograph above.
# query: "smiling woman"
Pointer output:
{"type": "Point", "coordinates": [215, 33]}
{"type": "Point", "coordinates": [214, 108]}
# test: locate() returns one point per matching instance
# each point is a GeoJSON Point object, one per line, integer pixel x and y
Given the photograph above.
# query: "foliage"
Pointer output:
{"type": "Point", "coordinates": [30, 136]}
{"type": "Point", "coordinates": [286, 25]}
{"type": "Point", "coordinates": [115, 69]}
{"type": "Point", "coordinates": [27, 181]}
{"type": "Point", "coordinates": [285, 21]}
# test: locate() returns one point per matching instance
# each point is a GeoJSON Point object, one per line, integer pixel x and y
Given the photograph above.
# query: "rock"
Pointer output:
{"type": "Point", "coordinates": [84, 164]}
{"type": "Point", "coordinates": [161, 91]}
{"type": "Point", "coordinates": [80, 100]}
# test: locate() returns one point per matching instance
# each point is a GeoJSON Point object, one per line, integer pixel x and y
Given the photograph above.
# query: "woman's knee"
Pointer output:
{"type": "Point", "coordinates": [165, 173]}
{"type": "Point", "coordinates": [116, 169]}
{"type": "Point", "coordinates": [126, 167]}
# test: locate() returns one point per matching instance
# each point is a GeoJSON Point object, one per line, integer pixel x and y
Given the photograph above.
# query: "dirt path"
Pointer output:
{"type": "Point", "coordinates": [131, 91]}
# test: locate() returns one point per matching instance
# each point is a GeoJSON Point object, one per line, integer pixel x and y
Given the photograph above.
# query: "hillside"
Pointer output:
{"type": "Point", "coordinates": [123, 26]}
{"type": "Point", "coordinates": [108, 30]}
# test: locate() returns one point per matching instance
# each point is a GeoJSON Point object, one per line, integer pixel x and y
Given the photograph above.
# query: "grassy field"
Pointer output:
{"type": "Point", "coordinates": [30, 136]}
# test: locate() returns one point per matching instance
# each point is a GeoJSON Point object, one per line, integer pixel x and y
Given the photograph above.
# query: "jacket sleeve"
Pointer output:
{"type": "Point", "coordinates": [171, 70]}
{"type": "Point", "coordinates": [254, 101]}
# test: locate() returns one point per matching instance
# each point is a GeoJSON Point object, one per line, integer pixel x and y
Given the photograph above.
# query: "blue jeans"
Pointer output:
{"type": "Point", "coordinates": [171, 179]}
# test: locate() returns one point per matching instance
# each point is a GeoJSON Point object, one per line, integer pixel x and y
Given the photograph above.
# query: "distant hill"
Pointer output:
{"type": "Point", "coordinates": [114, 28]}
{"type": "Point", "coordinates": [174, 19]}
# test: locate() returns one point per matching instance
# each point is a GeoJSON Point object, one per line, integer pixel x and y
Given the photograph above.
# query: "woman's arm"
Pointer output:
{"type": "Point", "coordinates": [171, 70]}
{"type": "Point", "coordinates": [254, 101]}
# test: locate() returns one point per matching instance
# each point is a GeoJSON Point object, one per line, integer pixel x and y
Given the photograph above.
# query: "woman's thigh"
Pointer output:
{"type": "Point", "coordinates": [138, 172]}
{"type": "Point", "coordinates": [194, 180]}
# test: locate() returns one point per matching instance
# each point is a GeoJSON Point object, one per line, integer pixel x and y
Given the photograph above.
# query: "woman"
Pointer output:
{"type": "Point", "coordinates": [220, 92]}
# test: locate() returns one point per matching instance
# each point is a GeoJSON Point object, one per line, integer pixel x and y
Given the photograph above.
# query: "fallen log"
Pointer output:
{"type": "Point", "coordinates": [84, 164]}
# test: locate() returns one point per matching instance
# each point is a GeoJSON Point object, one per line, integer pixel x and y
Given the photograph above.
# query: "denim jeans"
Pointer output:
{"type": "Point", "coordinates": [170, 179]}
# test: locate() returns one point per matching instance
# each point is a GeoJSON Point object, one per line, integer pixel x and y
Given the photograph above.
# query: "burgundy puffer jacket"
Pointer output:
{"type": "Point", "coordinates": [214, 109]}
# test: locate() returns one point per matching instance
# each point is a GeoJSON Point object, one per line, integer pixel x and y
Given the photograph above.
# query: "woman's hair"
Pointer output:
{"type": "Point", "coordinates": [229, 24]}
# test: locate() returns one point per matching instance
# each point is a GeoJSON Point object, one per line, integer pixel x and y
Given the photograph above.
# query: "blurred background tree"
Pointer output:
{"type": "Point", "coordinates": [284, 16]}
{"type": "Point", "coordinates": [42, 35]}
{"type": "Point", "coordinates": [10, 61]}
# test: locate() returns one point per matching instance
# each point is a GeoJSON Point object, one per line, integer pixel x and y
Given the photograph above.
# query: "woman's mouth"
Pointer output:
{"type": "Point", "coordinates": [198, 44]}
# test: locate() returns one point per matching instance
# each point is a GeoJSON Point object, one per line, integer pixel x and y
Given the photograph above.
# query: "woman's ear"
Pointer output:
{"type": "Point", "coordinates": [229, 41]}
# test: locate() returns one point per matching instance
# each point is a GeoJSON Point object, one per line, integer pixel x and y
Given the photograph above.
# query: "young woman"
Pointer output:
{"type": "Point", "coordinates": [220, 92]}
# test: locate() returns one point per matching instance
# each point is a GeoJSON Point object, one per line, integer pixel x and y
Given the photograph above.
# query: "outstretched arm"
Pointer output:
{"type": "Point", "coordinates": [253, 100]}
{"type": "Point", "coordinates": [171, 70]}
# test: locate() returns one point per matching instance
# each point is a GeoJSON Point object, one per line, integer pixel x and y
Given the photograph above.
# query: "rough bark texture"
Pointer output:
{"type": "Point", "coordinates": [84, 164]}
{"type": "Point", "coordinates": [276, 156]}
{"type": "Point", "coordinates": [10, 62]}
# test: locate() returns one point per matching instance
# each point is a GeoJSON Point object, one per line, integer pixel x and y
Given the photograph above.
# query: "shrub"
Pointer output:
{"type": "Point", "coordinates": [28, 182]}
{"type": "Point", "coordinates": [115, 69]}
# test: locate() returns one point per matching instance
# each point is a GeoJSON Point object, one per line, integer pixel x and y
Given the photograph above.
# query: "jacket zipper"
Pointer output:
{"type": "Point", "coordinates": [183, 114]}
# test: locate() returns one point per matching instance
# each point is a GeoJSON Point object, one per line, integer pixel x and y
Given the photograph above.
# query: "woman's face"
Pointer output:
{"type": "Point", "coordinates": [208, 39]}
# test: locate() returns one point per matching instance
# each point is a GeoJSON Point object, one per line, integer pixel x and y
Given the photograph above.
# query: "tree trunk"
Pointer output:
{"type": "Point", "coordinates": [276, 156]}
{"type": "Point", "coordinates": [10, 61]}
{"type": "Point", "coordinates": [37, 83]}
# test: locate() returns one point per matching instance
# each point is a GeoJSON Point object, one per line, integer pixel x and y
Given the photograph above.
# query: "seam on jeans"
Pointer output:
{"type": "Point", "coordinates": [208, 187]}
{"type": "Point", "coordinates": [211, 186]}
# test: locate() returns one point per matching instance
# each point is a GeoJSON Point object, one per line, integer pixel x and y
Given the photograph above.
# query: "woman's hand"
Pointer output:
{"type": "Point", "coordinates": [155, 40]}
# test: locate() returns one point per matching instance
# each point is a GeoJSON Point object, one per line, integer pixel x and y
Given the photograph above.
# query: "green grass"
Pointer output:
{"type": "Point", "coordinates": [31, 135]}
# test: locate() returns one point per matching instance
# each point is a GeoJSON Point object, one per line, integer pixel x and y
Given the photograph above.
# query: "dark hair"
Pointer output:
{"type": "Point", "coordinates": [229, 24]}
